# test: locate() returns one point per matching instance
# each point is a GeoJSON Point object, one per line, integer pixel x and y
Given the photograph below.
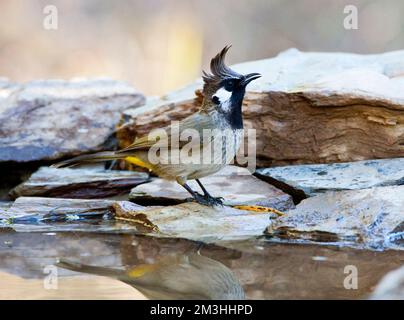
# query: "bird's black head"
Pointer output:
{"type": "Point", "coordinates": [238, 83]}
{"type": "Point", "coordinates": [226, 88]}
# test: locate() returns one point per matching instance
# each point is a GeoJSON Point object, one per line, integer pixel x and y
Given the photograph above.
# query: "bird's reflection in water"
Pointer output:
{"type": "Point", "coordinates": [181, 276]}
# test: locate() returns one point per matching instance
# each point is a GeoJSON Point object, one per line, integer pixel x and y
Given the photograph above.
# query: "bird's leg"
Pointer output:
{"type": "Point", "coordinates": [198, 197]}
{"type": "Point", "coordinates": [205, 192]}
{"type": "Point", "coordinates": [215, 201]}
{"type": "Point", "coordinates": [111, 164]}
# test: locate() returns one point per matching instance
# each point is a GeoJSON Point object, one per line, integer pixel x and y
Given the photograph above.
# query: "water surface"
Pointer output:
{"type": "Point", "coordinates": [265, 270]}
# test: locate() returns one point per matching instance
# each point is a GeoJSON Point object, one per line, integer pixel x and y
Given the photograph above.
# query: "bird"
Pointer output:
{"type": "Point", "coordinates": [220, 115]}
{"type": "Point", "coordinates": [190, 276]}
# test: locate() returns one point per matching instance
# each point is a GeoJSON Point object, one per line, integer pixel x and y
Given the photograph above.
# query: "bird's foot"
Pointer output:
{"type": "Point", "coordinates": [208, 200]}
{"type": "Point", "coordinates": [216, 201]}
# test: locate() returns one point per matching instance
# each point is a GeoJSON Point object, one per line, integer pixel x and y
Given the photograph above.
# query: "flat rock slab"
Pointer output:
{"type": "Point", "coordinates": [188, 220]}
{"type": "Point", "coordinates": [236, 185]}
{"type": "Point", "coordinates": [319, 178]}
{"type": "Point", "coordinates": [78, 183]}
{"type": "Point", "coordinates": [371, 218]}
{"type": "Point", "coordinates": [36, 214]}
{"type": "Point", "coordinates": [50, 119]}
{"type": "Point", "coordinates": [196, 222]}
{"type": "Point", "coordinates": [308, 107]}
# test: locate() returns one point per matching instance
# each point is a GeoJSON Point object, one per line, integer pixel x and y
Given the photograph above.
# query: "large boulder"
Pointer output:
{"type": "Point", "coordinates": [307, 108]}
{"type": "Point", "coordinates": [50, 119]}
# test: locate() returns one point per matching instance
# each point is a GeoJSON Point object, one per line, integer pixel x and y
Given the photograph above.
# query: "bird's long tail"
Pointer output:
{"type": "Point", "coordinates": [88, 158]}
{"type": "Point", "coordinates": [78, 267]}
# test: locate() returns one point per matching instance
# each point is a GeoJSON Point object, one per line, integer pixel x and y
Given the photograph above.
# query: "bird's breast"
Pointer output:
{"type": "Point", "coordinates": [227, 140]}
{"type": "Point", "coordinates": [231, 143]}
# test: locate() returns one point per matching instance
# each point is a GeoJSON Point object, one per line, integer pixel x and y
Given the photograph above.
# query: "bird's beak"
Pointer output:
{"type": "Point", "coordinates": [250, 77]}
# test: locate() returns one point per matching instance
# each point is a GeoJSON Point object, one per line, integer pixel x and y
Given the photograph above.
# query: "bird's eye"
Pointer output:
{"type": "Point", "coordinates": [229, 84]}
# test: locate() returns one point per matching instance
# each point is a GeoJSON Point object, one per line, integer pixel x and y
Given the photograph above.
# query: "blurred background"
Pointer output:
{"type": "Point", "coordinates": [158, 46]}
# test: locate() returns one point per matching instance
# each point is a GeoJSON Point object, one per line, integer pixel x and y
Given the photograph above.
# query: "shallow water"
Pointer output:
{"type": "Point", "coordinates": [265, 270]}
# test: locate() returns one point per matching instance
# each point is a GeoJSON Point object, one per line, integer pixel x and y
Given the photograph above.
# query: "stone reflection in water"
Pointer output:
{"type": "Point", "coordinates": [264, 270]}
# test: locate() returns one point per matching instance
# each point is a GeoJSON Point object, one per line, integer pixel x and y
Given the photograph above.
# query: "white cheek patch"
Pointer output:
{"type": "Point", "coordinates": [223, 95]}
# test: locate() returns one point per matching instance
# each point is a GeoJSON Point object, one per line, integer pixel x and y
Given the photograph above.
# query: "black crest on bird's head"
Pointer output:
{"type": "Point", "coordinates": [219, 73]}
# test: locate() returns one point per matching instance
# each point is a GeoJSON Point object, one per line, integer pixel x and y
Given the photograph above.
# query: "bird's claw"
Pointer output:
{"type": "Point", "coordinates": [208, 200]}
{"type": "Point", "coordinates": [216, 201]}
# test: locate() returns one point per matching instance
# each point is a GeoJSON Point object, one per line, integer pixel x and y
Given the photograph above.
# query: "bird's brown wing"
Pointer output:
{"type": "Point", "coordinates": [197, 122]}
